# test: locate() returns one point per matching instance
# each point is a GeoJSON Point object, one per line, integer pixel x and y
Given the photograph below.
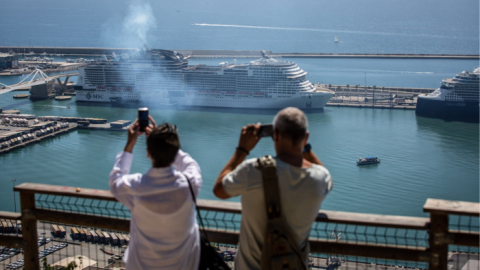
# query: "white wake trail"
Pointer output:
{"type": "Point", "coordinates": [313, 29]}
{"type": "Point", "coordinates": [261, 27]}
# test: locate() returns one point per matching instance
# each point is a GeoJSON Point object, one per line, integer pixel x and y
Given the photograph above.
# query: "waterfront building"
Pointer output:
{"type": "Point", "coordinates": [8, 60]}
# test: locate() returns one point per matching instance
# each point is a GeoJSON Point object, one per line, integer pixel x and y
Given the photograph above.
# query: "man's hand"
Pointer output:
{"type": "Point", "coordinates": [133, 133]}
{"type": "Point", "coordinates": [249, 137]}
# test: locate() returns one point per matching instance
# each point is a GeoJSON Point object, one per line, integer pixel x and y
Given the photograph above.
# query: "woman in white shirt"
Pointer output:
{"type": "Point", "coordinates": [163, 227]}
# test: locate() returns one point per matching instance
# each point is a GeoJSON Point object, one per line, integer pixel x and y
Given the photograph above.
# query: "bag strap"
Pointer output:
{"type": "Point", "coordinates": [196, 207]}
{"type": "Point", "coordinates": [268, 166]}
{"type": "Point", "coordinates": [271, 192]}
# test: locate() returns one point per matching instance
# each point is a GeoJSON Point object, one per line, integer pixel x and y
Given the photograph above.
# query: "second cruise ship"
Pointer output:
{"type": "Point", "coordinates": [457, 99]}
{"type": "Point", "coordinates": [164, 77]}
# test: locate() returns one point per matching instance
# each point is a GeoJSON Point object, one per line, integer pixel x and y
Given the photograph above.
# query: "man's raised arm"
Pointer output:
{"type": "Point", "coordinates": [248, 140]}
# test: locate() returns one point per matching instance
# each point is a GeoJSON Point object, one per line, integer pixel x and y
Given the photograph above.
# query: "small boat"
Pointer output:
{"type": "Point", "coordinates": [336, 39]}
{"type": "Point", "coordinates": [368, 160]}
{"type": "Point", "coordinates": [21, 96]}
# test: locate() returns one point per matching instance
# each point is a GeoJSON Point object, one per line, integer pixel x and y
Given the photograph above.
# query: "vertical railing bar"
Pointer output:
{"type": "Point", "coordinates": [29, 230]}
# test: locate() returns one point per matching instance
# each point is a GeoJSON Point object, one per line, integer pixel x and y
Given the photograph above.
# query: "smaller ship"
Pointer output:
{"type": "Point", "coordinates": [336, 39]}
{"type": "Point", "coordinates": [457, 99]}
{"type": "Point", "coordinates": [368, 160]}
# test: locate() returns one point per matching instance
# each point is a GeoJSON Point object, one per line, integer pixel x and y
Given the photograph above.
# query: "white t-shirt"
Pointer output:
{"type": "Point", "coordinates": [302, 191]}
{"type": "Point", "coordinates": [163, 227]}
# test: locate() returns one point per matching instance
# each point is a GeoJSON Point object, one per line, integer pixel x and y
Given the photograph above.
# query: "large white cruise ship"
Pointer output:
{"type": "Point", "coordinates": [456, 99]}
{"type": "Point", "coordinates": [164, 77]}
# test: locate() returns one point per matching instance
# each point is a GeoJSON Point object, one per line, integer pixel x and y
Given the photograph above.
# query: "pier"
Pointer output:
{"type": "Point", "coordinates": [13, 133]}
{"type": "Point", "coordinates": [17, 130]}
{"type": "Point", "coordinates": [356, 96]}
{"type": "Point", "coordinates": [24, 50]}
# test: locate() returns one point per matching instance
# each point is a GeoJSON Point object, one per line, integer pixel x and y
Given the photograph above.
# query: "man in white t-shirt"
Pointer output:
{"type": "Point", "coordinates": [163, 227]}
{"type": "Point", "coordinates": [303, 182]}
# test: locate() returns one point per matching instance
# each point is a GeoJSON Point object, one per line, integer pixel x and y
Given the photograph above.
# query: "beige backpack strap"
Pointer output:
{"type": "Point", "coordinates": [271, 192]}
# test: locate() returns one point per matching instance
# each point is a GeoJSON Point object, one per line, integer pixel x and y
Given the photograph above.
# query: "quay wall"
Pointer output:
{"type": "Point", "coordinates": [38, 139]}
{"type": "Point", "coordinates": [228, 53]}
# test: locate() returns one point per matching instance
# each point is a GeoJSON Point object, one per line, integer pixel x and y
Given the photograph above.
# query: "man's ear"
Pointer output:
{"type": "Point", "coordinates": [306, 138]}
{"type": "Point", "coordinates": [276, 135]}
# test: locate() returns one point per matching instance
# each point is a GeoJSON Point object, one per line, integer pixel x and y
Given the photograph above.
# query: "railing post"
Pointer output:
{"type": "Point", "coordinates": [29, 230]}
{"type": "Point", "coordinates": [438, 235]}
{"type": "Point", "coordinates": [438, 245]}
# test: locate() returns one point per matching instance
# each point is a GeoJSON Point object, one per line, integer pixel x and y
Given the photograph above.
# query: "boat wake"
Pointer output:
{"type": "Point", "coordinates": [53, 106]}
{"type": "Point", "coordinates": [260, 27]}
{"type": "Point", "coordinates": [415, 72]}
{"type": "Point", "coordinates": [318, 30]}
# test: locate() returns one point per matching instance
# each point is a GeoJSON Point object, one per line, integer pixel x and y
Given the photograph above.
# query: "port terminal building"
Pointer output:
{"type": "Point", "coordinates": [8, 60]}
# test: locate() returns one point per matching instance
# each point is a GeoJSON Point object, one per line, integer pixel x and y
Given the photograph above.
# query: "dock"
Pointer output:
{"type": "Point", "coordinates": [14, 132]}
{"type": "Point", "coordinates": [377, 97]}
{"type": "Point", "coordinates": [119, 125]}
{"type": "Point", "coordinates": [20, 130]}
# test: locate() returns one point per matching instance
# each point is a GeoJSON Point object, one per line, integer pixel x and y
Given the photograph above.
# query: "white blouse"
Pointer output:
{"type": "Point", "coordinates": [163, 227]}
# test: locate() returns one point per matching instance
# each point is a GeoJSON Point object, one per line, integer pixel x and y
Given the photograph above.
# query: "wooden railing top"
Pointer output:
{"type": "Point", "coordinates": [362, 219]}
{"type": "Point", "coordinates": [10, 215]}
{"type": "Point", "coordinates": [389, 221]}
{"type": "Point", "coordinates": [86, 193]}
{"type": "Point", "coordinates": [437, 206]}
{"type": "Point", "coordinates": [417, 223]}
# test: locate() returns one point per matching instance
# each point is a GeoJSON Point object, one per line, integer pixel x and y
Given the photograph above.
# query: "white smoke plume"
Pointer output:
{"type": "Point", "coordinates": [130, 28]}
{"type": "Point", "coordinates": [139, 20]}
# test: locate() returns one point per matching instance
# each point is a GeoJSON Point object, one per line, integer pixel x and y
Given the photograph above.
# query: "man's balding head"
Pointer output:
{"type": "Point", "coordinates": [291, 123]}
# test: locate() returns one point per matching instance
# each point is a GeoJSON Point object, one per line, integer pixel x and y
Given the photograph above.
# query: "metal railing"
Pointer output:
{"type": "Point", "coordinates": [448, 239]}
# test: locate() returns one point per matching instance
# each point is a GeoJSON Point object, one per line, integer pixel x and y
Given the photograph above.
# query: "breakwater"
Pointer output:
{"type": "Point", "coordinates": [227, 53]}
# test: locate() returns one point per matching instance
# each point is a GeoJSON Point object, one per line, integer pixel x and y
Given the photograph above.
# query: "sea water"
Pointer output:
{"type": "Point", "coordinates": [421, 158]}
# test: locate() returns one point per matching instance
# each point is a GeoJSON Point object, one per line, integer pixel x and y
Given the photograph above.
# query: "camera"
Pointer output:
{"type": "Point", "coordinates": [143, 118]}
{"type": "Point", "coordinates": [265, 131]}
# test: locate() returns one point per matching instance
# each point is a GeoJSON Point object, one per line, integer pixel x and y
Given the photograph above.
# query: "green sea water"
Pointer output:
{"type": "Point", "coordinates": [421, 157]}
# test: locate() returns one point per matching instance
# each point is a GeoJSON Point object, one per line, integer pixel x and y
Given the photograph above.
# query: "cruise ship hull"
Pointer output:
{"type": "Point", "coordinates": [448, 110]}
{"type": "Point", "coordinates": [315, 100]}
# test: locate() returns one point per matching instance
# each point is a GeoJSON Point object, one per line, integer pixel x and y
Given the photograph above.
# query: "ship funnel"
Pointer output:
{"type": "Point", "coordinates": [264, 54]}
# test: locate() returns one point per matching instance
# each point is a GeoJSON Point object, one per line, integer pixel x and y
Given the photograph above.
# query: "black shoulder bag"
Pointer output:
{"type": "Point", "coordinates": [209, 257]}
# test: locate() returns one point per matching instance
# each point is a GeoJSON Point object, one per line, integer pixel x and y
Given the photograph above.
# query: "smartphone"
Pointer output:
{"type": "Point", "coordinates": [143, 118]}
{"type": "Point", "coordinates": [265, 131]}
